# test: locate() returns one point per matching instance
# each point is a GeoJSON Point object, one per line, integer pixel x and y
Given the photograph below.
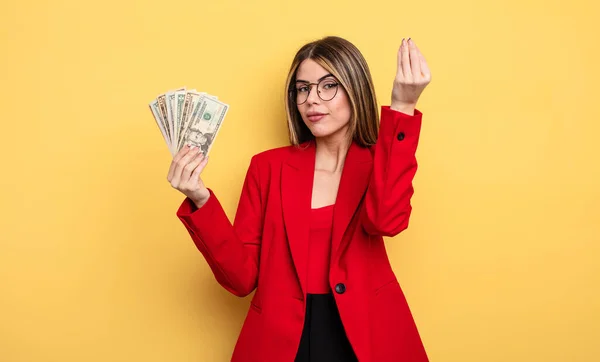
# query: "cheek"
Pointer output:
{"type": "Point", "coordinates": [341, 108]}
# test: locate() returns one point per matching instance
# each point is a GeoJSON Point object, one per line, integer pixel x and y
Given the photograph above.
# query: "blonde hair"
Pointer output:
{"type": "Point", "coordinates": [345, 62]}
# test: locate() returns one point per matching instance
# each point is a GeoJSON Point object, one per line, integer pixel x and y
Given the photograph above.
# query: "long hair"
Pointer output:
{"type": "Point", "coordinates": [345, 62]}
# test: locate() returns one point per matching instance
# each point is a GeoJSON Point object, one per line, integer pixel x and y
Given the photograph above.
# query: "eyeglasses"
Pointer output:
{"type": "Point", "coordinates": [326, 90]}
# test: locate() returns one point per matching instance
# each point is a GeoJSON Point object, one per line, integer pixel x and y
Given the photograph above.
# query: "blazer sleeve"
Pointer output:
{"type": "Point", "coordinates": [387, 205]}
{"type": "Point", "coordinates": [231, 250]}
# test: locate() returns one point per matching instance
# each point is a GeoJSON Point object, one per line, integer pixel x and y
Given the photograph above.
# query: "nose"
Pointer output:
{"type": "Point", "coordinates": [313, 97]}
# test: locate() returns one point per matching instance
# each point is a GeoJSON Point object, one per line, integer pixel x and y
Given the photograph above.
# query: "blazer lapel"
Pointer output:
{"type": "Point", "coordinates": [297, 175]}
{"type": "Point", "coordinates": [353, 185]}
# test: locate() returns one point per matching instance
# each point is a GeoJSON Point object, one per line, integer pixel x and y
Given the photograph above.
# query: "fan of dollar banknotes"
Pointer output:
{"type": "Point", "coordinates": [188, 117]}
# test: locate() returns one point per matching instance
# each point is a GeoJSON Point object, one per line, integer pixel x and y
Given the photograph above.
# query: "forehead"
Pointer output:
{"type": "Point", "coordinates": [310, 70]}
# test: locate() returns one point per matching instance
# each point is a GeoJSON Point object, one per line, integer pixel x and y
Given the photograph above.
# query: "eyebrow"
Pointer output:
{"type": "Point", "coordinates": [320, 79]}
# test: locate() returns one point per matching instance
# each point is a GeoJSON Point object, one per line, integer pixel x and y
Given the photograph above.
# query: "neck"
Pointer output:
{"type": "Point", "coordinates": [331, 153]}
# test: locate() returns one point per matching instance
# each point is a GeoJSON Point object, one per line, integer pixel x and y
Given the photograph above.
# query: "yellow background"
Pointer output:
{"type": "Point", "coordinates": [501, 260]}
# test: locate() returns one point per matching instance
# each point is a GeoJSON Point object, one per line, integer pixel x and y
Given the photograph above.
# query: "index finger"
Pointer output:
{"type": "Point", "coordinates": [423, 63]}
{"type": "Point", "coordinates": [182, 152]}
{"type": "Point", "coordinates": [415, 61]}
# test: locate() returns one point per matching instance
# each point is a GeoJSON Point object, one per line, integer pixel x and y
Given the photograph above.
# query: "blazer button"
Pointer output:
{"type": "Point", "coordinates": [400, 136]}
{"type": "Point", "coordinates": [340, 288]}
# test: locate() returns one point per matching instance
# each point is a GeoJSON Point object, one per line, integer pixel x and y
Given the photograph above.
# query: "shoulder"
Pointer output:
{"type": "Point", "coordinates": [277, 155]}
{"type": "Point", "coordinates": [266, 163]}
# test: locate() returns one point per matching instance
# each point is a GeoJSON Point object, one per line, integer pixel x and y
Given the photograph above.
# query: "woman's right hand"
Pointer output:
{"type": "Point", "coordinates": [184, 174]}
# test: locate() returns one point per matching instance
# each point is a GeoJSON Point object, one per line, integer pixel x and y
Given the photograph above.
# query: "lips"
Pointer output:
{"type": "Point", "coordinates": [315, 116]}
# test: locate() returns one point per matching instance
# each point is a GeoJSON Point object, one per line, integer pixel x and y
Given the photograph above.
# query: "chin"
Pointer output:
{"type": "Point", "coordinates": [319, 131]}
{"type": "Point", "coordinates": [325, 129]}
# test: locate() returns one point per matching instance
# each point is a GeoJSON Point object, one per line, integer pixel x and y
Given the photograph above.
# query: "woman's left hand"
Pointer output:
{"type": "Point", "coordinates": [412, 77]}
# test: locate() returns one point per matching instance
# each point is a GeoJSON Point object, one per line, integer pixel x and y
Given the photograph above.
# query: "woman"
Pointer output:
{"type": "Point", "coordinates": [308, 233]}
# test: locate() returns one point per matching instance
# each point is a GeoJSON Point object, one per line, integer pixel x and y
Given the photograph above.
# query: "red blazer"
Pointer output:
{"type": "Point", "coordinates": [266, 247]}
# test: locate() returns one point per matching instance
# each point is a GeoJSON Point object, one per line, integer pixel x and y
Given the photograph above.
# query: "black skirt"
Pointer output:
{"type": "Point", "coordinates": [323, 337]}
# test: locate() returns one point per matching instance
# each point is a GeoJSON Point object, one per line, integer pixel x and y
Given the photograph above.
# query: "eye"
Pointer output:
{"type": "Point", "coordinates": [330, 85]}
{"type": "Point", "coordinates": [302, 89]}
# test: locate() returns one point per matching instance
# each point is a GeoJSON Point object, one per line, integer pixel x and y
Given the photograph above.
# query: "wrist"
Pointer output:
{"type": "Point", "coordinates": [200, 201]}
{"type": "Point", "coordinates": [407, 108]}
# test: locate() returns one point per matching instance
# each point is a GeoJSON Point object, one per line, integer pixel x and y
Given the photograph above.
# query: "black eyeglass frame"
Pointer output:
{"type": "Point", "coordinates": [294, 90]}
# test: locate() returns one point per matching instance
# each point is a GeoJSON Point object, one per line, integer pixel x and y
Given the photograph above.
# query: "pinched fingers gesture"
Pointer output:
{"type": "Point", "coordinates": [412, 75]}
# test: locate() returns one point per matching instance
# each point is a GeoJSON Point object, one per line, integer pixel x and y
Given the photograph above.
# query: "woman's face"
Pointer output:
{"type": "Point", "coordinates": [323, 118]}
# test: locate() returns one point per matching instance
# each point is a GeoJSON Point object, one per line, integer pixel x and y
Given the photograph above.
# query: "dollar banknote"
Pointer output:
{"type": "Point", "coordinates": [160, 121]}
{"type": "Point", "coordinates": [188, 117]}
{"type": "Point", "coordinates": [170, 115]}
{"type": "Point", "coordinates": [192, 99]}
{"type": "Point", "coordinates": [203, 129]}
{"type": "Point", "coordinates": [178, 112]}
{"type": "Point", "coordinates": [162, 107]}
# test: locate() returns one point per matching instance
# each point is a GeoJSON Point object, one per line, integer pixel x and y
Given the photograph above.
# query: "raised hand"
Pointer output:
{"type": "Point", "coordinates": [184, 174]}
{"type": "Point", "coordinates": [412, 77]}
